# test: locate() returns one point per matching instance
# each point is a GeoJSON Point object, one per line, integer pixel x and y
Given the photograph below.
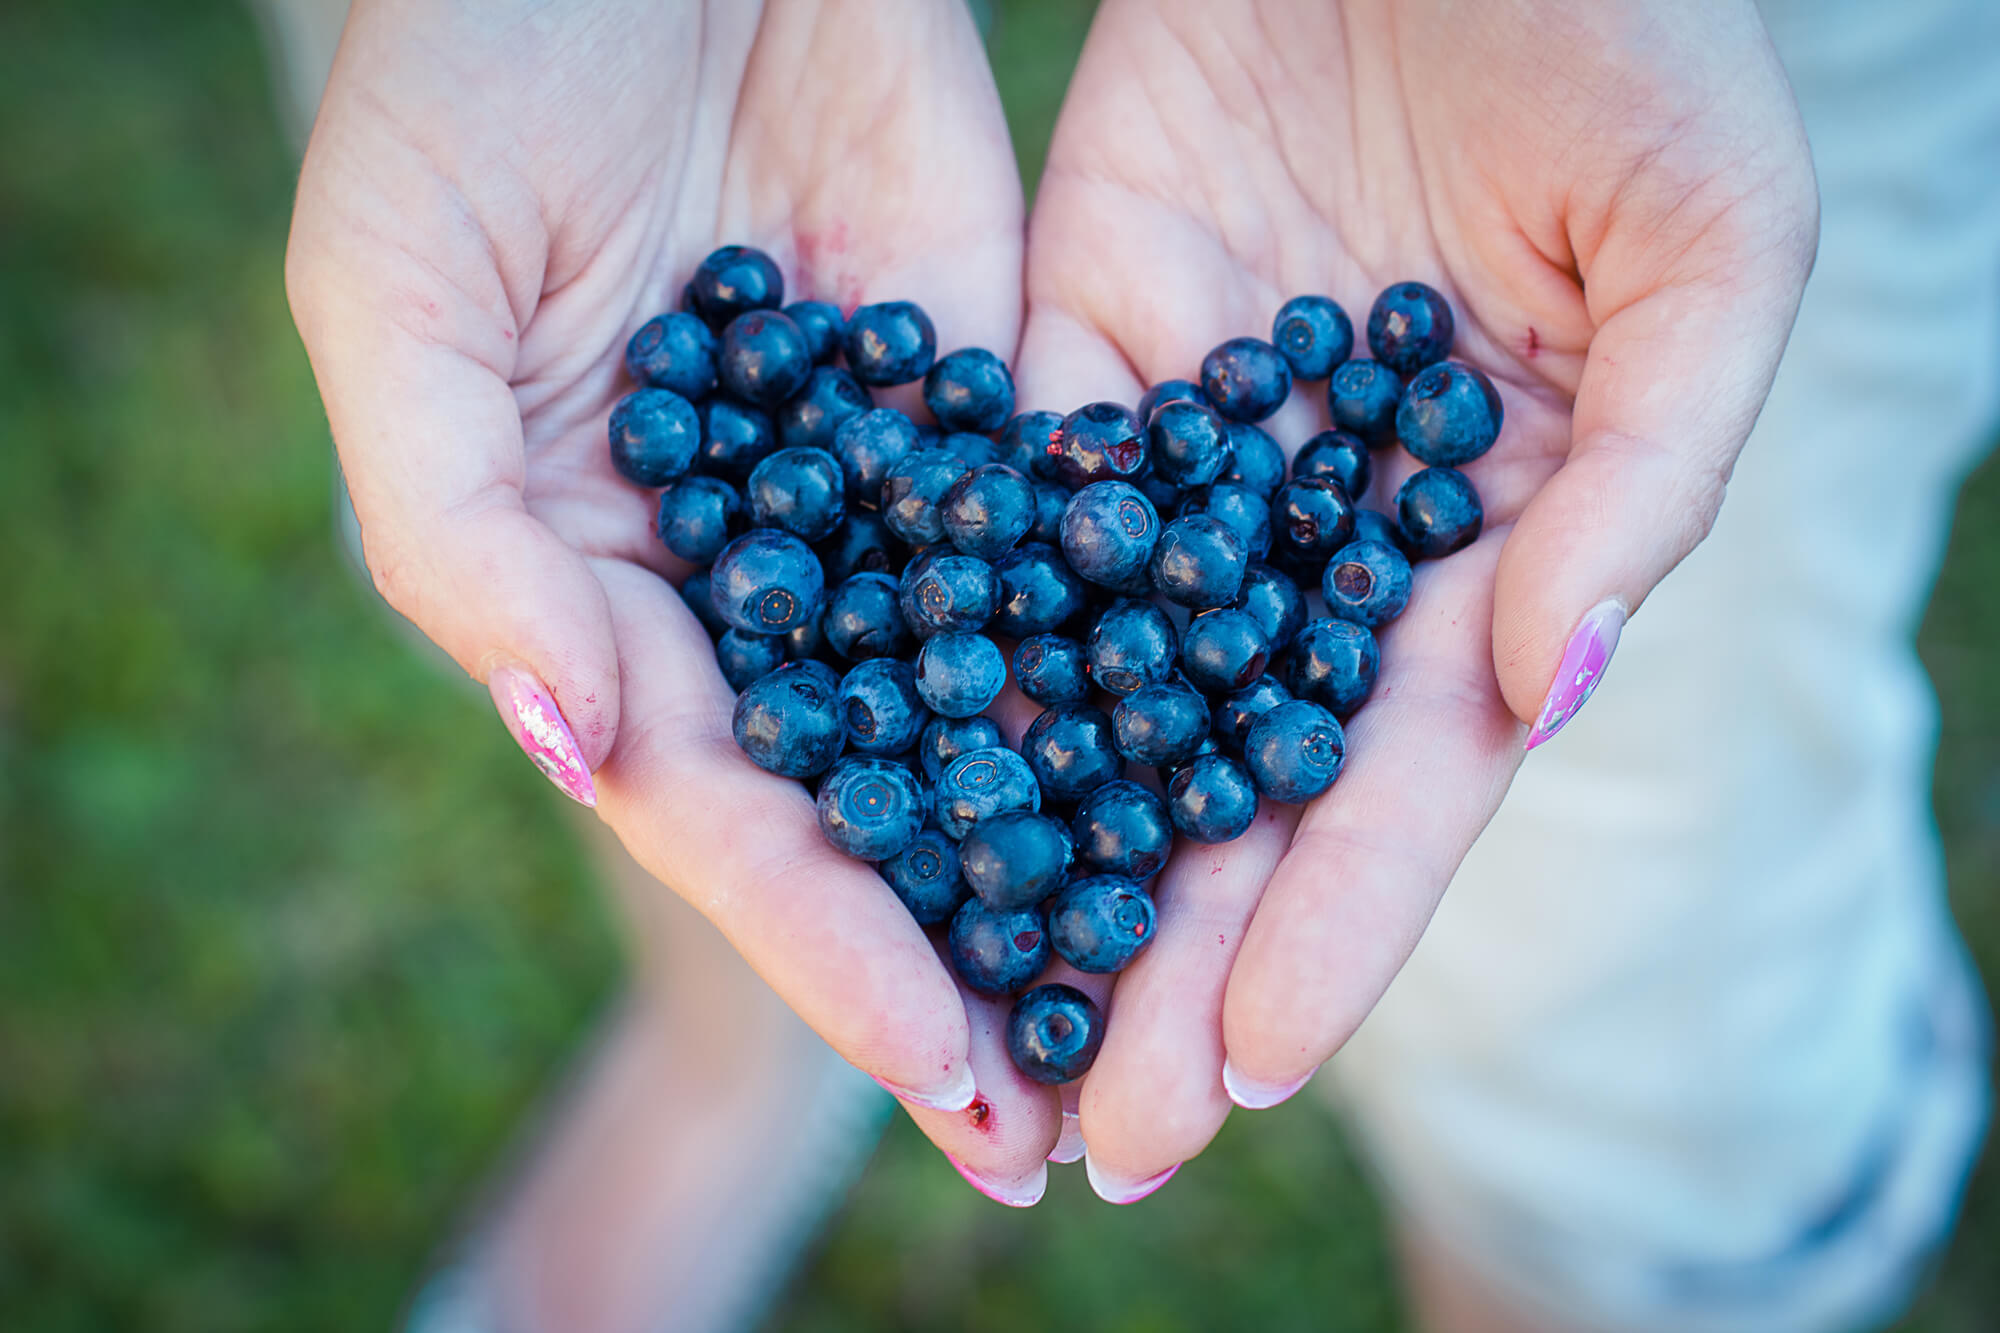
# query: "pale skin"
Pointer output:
{"type": "Point", "coordinates": [1617, 201]}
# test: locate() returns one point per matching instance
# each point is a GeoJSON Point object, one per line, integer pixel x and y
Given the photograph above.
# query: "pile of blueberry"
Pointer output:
{"type": "Point", "coordinates": [1151, 569]}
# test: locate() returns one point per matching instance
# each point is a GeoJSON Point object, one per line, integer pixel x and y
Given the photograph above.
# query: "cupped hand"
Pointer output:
{"type": "Point", "coordinates": [1619, 203]}
{"type": "Point", "coordinates": [495, 196]}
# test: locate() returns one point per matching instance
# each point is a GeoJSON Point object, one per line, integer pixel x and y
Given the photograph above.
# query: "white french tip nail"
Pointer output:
{"type": "Point", "coordinates": [1251, 1095]}
{"type": "Point", "coordinates": [955, 1096]}
{"type": "Point", "coordinates": [1069, 1144]}
{"type": "Point", "coordinates": [1111, 1189]}
{"type": "Point", "coordinates": [1025, 1194]}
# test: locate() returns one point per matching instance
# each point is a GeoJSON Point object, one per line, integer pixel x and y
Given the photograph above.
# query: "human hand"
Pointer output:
{"type": "Point", "coordinates": [1619, 203]}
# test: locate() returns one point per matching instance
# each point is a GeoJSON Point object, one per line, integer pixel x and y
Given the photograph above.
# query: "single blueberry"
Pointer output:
{"type": "Point", "coordinates": [822, 324]}
{"type": "Point", "coordinates": [1224, 650]}
{"type": "Point", "coordinates": [864, 619]}
{"type": "Point", "coordinates": [946, 738]}
{"type": "Point", "coordinates": [655, 434]}
{"type": "Point", "coordinates": [869, 445]}
{"type": "Point", "coordinates": [1314, 335]}
{"type": "Point", "coordinates": [1099, 923]}
{"type": "Point", "coordinates": [1373, 526]}
{"type": "Point", "coordinates": [1038, 591]}
{"type": "Point", "coordinates": [675, 352]}
{"type": "Point", "coordinates": [959, 675]}
{"type": "Point", "coordinates": [980, 784]}
{"type": "Point", "coordinates": [789, 722]}
{"type": "Point", "coordinates": [1108, 533]}
{"type": "Point", "coordinates": [813, 417]}
{"type": "Point", "coordinates": [870, 808]}
{"type": "Point", "coordinates": [913, 492]}
{"type": "Point", "coordinates": [1071, 751]}
{"type": "Point", "coordinates": [1160, 725]}
{"type": "Point", "coordinates": [1212, 799]}
{"type": "Point", "coordinates": [1310, 519]}
{"type": "Point", "coordinates": [733, 280]}
{"type": "Point", "coordinates": [1027, 441]}
{"type": "Point", "coordinates": [1163, 495]}
{"type": "Point", "coordinates": [698, 516]}
{"type": "Point", "coordinates": [799, 490]}
{"type": "Point", "coordinates": [861, 544]}
{"type": "Point", "coordinates": [975, 451]}
{"type": "Point", "coordinates": [1246, 379]}
{"type": "Point", "coordinates": [1275, 602]}
{"type": "Point", "coordinates": [1409, 327]}
{"type": "Point", "coordinates": [1199, 562]}
{"type": "Point", "coordinates": [948, 594]}
{"type": "Point", "coordinates": [997, 953]}
{"type": "Point", "coordinates": [989, 510]}
{"type": "Point", "coordinates": [1169, 391]}
{"type": "Point", "coordinates": [763, 358]}
{"type": "Point", "coordinates": [1133, 643]}
{"type": "Point", "coordinates": [885, 714]}
{"type": "Point", "coordinates": [1294, 751]}
{"type": "Point", "coordinates": [889, 343]}
{"type": "Point", "coordinates": [1333, 663]}
{"type": "Point", "coordinates": [1450, 415]}
{"type": "Point", "coordinates": [1051, 669]}
{"type": "Point", "coordinates": [1099, 442]}
{"type": "Point", "coordinates": [1235, 715]}
{"type": "Point", "coordinates": [1362, 398]}
{"type": "Point", "coordinates": [1122, 829]}
{"type": "Point", "coordinates": [925, 875]}
{"type": "Point", "coordinates": [1339, 456]}
{"type": "Point", "coordinates": [1050, 502]}
{"type": "Point", "coordinates": [767, 582]}
{"type": "Point", "coordinates": [1053, 1034]}
{"type": "Point", "coordinates": [804, 642]}
{"type": "Point", "coordinates": [1239, 507]}
{"type": "Point", "coordinates": [1015, 859]}
{"type": "Point", "coordinates": [1440, 513]}
{"type": "Point", "coordinates": [735, 437]}
{"type": "Point", "coordinates": [1257, 463]}
{"type": "Point", "coordinates": [699, 594]}
{"type": "Point", "coordinates": [744, 658]}
{"type": "Point", "coordinates": [1367, 582]}
{"type": "Point", "coordinates": [970, 390]}
{"type": "Point", "coordinates": [1189, 444]}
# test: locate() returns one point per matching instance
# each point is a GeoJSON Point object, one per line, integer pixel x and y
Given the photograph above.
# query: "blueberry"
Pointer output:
{"type": "Point", "coordinates": [870, 808]}
{"type": "Point", "coordinates": [1409, 327]}
{"type": "Point", "coordinates": [1314, 335]}
{"type": "Point", "coordinates": [925, 875]}
{"type": "Point", "coordinates": [1334, 664]}
{"type": "Point", "coordinates": [767, 582]}
{"type": "Point", "coordinates": [1311, 519]}
{"type": "Point", "coordinates": [960, 674]}
{"type": "Point", "coordinates": [1212, 799]}
{"type": "Point", "coordinates": [1367, 582]}
{"type": "Point", "coordinates": [1170, 391]}
{"type": "Point", "coordinates": [1122, 829]}
{"type": "Point", "coordinates": [1108, 533]}
{"type": "Point", "coordinates": [655, 434]}
{"type": "Point", "coordinates": [975, 451]}
{"type": "Point", "coordinates": [884, 713]}
{"type": "Point", "coordinates": [735, 437]}
{"type": "Point", "coordinates": [1224, 650]}
{"type": "Point", "coordinates": [1099, 923]}
{"type": "Point", "coordinates": [1373, 526]}
{"type": "Point", "coordinates": [733, 280]}
{"type": "Point", "coordinates": [822, 324]}
{"type": "Point", "coordinates": [1189, 444]}
{"type": "Point", "coordinates": [989, 510]}
{"type": "Point", "coordinates": [799, 490]}
{"type": "Point", "coordinates": [1050, 502]}
{"type": "Point", "coordinates": [997, 953]}
{"type": "Point", "coordinates": [812, 419]}
{"type": "Point", "coordinates": [913, 493]}
{"type": "Point", "coordinates": [1239, 507]}
{"type": "Point", "coordinates": [970, 390]}
{"type": "Point", "coordinates": [698, 515]}
{"type": "Point", "coordinates": [861, 544]}
{"type": "Point", "coordinates": [1199, 562]}
{"type": "Point", "coordinates": [1050, 669]}
{"type": "Point", "coordinates": [762, 358]}
{"type": "Point", "coordinates": [1026, 443]}
{"type": "Point", "coordinates": [868, 445]}
{"type": "Point", "coordinates": [946, 738]}
{"type": "Point", "coordinates": [1235, 715]}
{"type": "Point", "coordinates": [675, 352]}
{"type": "Point", "coordinates": [890, 343]}
{"type": "Point", "coordinates": [1246, 379]}
{"type": "Point", "coordinates": [1294, 751]}
{"type": "Point", "coordinates": [1015, 859]}
{"type": "Point", "coordinates": [699, 594]}
{"type": "Point", "coordinates": [744, 658]}
{"type": "Point", "coordinates": [1440, 513]}
{"type": "Point", "coordinates": [1257, 464]}
{"type": "Point", "coordinates": [1450, 415]}
{"type": "Point", "coordinates": [1362, 398]}
{"type": "Point", "coordinates": [789, 722]}
{"type": "Point", "coordinates": [1132, 644]}
{"type": "Point", "coordinates": [1163, 495]}
{"type": "Point", "coordinates": [1160, 725]}
{"type": "Point", "coordinates": [980, 784]}
{"type": "Point", "coordinates": [1069, 749]}
{"type": "Point", "coordinates": [1038, 591]}
{"type": "Point", "coordinates": [804, 642]}
{"type": "Point", "coordinates": [1053, 1034]}
{"type": "Point", "coordinates": [864, 619]}
{"type": "Point", "coordinates": [1337, 455]}
{"type": "Point", "coordinates": [1099, 442]}
{"type": "Point", "coordinates": [950, 594]}
{"type": "Point", "coordinates": [1275, 603]}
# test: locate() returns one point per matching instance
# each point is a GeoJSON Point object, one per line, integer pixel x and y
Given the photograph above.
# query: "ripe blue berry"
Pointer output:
{"type": "Point", "coordinates": [1053, 1034]}
{"type": "Point", "coordinates": [868, 445]}
{"type": "Point", "coordinates": [1099, 442]}
{"type": "Point", "coordinates": [1108, 533]}
{"type": "Point", "coordinates": [1311, 519]}
{"type": "Point", "coordinates": [762, 358]}
{"type": "Point", "coordinates": [1440, 513]}
{"type": "Point", "coordinates": [1246, 379]}
{"type": "Point", "coordinates": [1038, 591]}
{"type": "Point", "coordinates": [864, 620]}
{"type": "Point", "coordinates": [989, 510]}
{"type": "Point", "coordinates": [884, 713]}
{"type": "Point", "coordinates": [767, 582]}
{"type": "Point", "coordinates": [1199, 562]}
{"type": "Point", "coordinates": [946, 738]}
{"type": "Point", "coordinates": [813, 417]}
{"type": "Point", "coordinates": [1238, 506]}
{"type": "Point", "coordinates": [1050, 502]}
{"type": "Point", "coordinates": [789, 722]}
{"type": "Point", "coordinates": [980, 784]}
{"type": "Point", "coordinates": [735, 437]}
{"type": "Point", "coordinates": [889, 343]}
{"type": "Point", "coordinates": [1051, 669]}
{"type": "Point", "coordinates": [1257, 463]}
{"type": "Point", "coordinates": [913, 492]}
{"type": "Point", "coordinates": [925, 875]}
{"type": "Point", "coordinates": [1334, 664]}
{"type": "Point", "coordinates": [699, 594]}
{"type": "Point", "coordinates": [799, 490]}
{"type": "Point", "coordinates": [1294, 751]}
{"type": "Point", "coordinates": [1337, 455]}
{"type": "Point", "coordinates": [1314, 335]}
{"type": "Point", "coordinates": [1409, 327]}
{"type": "Point", "coordinates": [1362, 398]}
{"type": "Point", "coordinates": [1212, 799]}
{"type": "Point", "coordinates": [1132, 644]}
{"type": "Point", "coordinates": [1367, 582]}
{"type": "Point", "coordinates": [1122, 829]}
{"type": "Point", "coordinates": [969, 390]}
{"type": "Point", "coordinates": [975, 451]}
{"type": "Point", "coordinates": [743, 658]}
{"type": "Point", "coordinates": [1025, 442]}
{"type": "Point", "coordinates": [948, 594]}
{"type": "Point", "coordinates": [1373, 526]}
{"type": "Point", "coordinates": [1189, 443]}
{"type": "Point", "coordinates": [1015, 859]}
{"type": "Point", "coordinates": [997, 953]}
{"type": "Point", "coordinates": [960, 674]}
{"type": "Point", "coordinates": [1160, 725]}
{"type": "Point", "coordinates": [1275, 603]}
{"type": "Point", "coordinates": [1235, 715]}
{"type": "Point", "coordinates": [698, 515]}
{"type": "Point", "coordinates": [822, 324]}
{"type": "Point", "coordinates": [655, 434]}
{"type": "Point", "coordinates": [1224, 650]}
{"type": "Point", "coordinates": [861, 544]}
{"type": "Point", "coordinates": [1169, 391]}
{"type": "Point", "coordinates": [674, 352]}
{"type": "Point", "coordinates": [733, 280]}
{"type": "Point", "coordinates": [1450, 415]}
{"type": "Point", "coordinates": [1070, 751]}
{"type": "Point", "coordinates": [870, 808]}
{"type": "Point", "coordinates": [1099, 923]}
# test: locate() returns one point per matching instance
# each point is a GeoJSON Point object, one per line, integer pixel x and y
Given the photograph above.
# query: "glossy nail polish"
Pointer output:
{"type": "Point", "coordinates": [537, 725]}
{"type": "Point", "coordinates": [1251, 1095]}
{"type": "Point", "coordinates": [1583, 663]}
{"type": "Point", "coordinates": [1025, 1194]}
{"type": "Point", "coordinates": [1113, 1190]}
{"type": "Point", "coordinates": [954, 1096]}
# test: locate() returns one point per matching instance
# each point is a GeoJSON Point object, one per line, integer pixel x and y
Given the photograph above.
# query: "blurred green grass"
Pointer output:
{"type": "Point", "coordinates": [290, 935]}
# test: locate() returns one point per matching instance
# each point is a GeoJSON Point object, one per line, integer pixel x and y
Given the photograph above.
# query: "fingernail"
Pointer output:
{"type": "Point", "coordinates": [1251, 1095]}
{"type": "Point", "coordinates": [1024, 1195]}
{"type": "Point", "coordinates": [1584, 660]}
{"type": "Point", "coordinates": [537, 725]}
{"type": "Point", "coordinates": [954, 1096]}
{"type": "Point", "coordinates": [1069, 1143]}
{"type": "Point", "coordinates": [1113, 1190]}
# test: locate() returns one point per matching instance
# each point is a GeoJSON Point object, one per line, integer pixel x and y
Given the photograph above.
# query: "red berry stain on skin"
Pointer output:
{"type": "Point", "coordinates": [508, 334]}
{"type": "Point", "coordinates": [1221, 940]}
{"type": "Point", "coordinates": [980, 1113]}
{"type": "Point", "coordinates": [1534, 341]}
{"type": "Point", "coordinates": [1215, 870]}
{"type": "Point", "coordinates": [820, 252]}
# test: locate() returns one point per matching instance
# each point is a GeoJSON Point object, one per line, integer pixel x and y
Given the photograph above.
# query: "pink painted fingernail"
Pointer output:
{"type": "Point", "coordinates": [1582, 669]}
{"type": "Point", "coordinates": [1026, 1194]}
{"type": "Point", "coordinates": [1113, 1190]}
{"type": "Point", "coordinates": [1069, 1143]}
{"type": "Point", "coordinates": [953, 1096]}
{"type": "Point", "coordinates": [537, 726]}
{"type": "Point", "coordinates": [1251, 1095]}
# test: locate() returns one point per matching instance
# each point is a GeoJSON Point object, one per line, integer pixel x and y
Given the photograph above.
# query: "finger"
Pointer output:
{"type": "Point", "coordinates": [1428, 760]}
{"type": "Point", "coordinates": [744, 848]}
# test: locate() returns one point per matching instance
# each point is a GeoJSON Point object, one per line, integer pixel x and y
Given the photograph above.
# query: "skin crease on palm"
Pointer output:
{"type": "Point", "coordinates": [491, 203]}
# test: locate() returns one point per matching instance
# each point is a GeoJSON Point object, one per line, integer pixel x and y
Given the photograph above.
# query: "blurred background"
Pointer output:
{"type": "Point", "coordinates": [290, 935]}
